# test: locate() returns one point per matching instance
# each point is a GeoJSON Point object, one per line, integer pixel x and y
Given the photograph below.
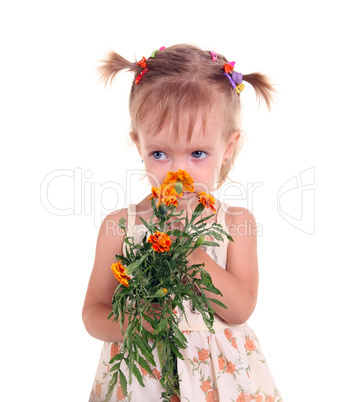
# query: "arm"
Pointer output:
{"type": "Point", "coordinates": [102, 283]}
{"type": "Point", "coordinates": [239, 282]}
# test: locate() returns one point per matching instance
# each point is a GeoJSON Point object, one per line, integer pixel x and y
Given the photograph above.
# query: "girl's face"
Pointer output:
{"type": "Point", "coordinates": [202, 156]}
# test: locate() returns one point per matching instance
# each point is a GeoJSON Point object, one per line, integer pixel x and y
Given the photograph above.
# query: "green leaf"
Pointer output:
{"type": "Point", "coordinates": [178, 233]}
{"type": "Point", "coordinates": [217, 302]}
{"type": "Point", "coordinates": [150, 227]}
{"type": "Point", "coordinates": [111, 386]}
{"type": "Point", "coordinates": [121, 223]}
{"type": "Point", "coordinates": [119, 356]}
{"type": "Point", "coordinates": [211, 288]}
{"type": "Point", "coordinates": [176, 351]}
{"type": "Point", "coordinates": [144, 364]}
{"type": "Point", "coordinates": [161, 325]}
{"type": "Point", "coordinates": [145, 350]}
{"type": "Point", "coordinates": [198, 210]}
{"type": "Point", "coordinates": [211, 243]}
{"type": "Point", "coordinates": [115, 367]}
{"type": "Point", "coordinates": [138, 376]}
{"type": "Point", "coordinates": [206, 280]}
{"type": "Point", "coordinates": [149, 320]}
{"type": "Point", "coordinates": [217, 235]}
{"type": "Point", "coordinates": [221, 230]}
{"type": "Point", "coordinates": [123, 382]}
{"type": "Point", "coordinates": [199, 223]}
{"type": "Point", "coordinates": [178, 334]}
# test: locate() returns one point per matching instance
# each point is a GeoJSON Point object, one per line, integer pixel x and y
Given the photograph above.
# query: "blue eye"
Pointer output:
{"type": "Point", "coordinates": [199, 154]}
{"type": "Point", "coordinates": [158, 155]}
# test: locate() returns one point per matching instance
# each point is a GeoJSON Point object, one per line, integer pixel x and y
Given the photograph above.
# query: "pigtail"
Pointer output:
{"type": "Point", "coordinates": [112, 65]}
{"type": "Point", "coordinates": [262, 86]}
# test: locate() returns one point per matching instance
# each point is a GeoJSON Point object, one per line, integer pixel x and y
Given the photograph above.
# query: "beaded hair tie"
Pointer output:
{"type": "Point", "coordinates": [235, 78]}
{"type": "Point", "coordinates": [142, 64]}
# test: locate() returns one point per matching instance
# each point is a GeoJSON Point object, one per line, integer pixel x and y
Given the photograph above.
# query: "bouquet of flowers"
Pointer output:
{"type": "Point", "coordinates": [154, 279]}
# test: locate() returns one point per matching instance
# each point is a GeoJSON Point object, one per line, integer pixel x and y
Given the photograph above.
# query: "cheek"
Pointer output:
{"type": "Point", "coordinates": [155, 180]}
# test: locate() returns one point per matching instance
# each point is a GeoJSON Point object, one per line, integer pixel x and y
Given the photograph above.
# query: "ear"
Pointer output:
{"type": "Point", "coordinates": [231, 144]}
{"type": "Point", "coordinates": [134, 137]}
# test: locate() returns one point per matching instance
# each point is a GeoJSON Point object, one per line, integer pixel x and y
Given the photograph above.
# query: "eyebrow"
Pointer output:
{"type": "Point", "coordinates": [157, 147]}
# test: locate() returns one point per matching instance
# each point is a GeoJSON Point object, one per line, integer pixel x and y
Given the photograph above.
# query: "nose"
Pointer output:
{"type": "Point", "coordinates": [179, 163]}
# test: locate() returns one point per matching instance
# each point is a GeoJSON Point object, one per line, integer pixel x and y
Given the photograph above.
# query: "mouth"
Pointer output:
{"type": "Point", "coordinates": [188, 193]}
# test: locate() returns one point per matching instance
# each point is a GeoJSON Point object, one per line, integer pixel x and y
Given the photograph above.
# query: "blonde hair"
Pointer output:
{"type": "Point", "coordinates": [183, 79]}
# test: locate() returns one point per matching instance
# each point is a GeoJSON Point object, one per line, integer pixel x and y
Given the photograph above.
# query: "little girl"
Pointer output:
{"type": "Point", "coordinates": [185, 112]}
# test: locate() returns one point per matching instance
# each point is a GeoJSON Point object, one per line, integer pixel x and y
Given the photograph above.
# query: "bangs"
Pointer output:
{"type": "Point", "coordinates": [172, 103]}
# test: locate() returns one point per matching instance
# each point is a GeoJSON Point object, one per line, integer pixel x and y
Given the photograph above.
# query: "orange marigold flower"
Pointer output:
{"type": "Point", "coordinates": [207, 200]}
{"type": "Point", "coordinates": [180, 176]}
{"type": "Point", "coordinates": [258, 398]}
{"type": "Point", "coordinates": [249, 345]}
{"type": "Point", "coordinates": [203, 355]}
{"type": "Point", "coordinates": [166, 194]}
{"type": "Point", "coordinates": [170, 196]}
{"type": "Point", "coordinates": [157, 192]}
{"type": "Point", "coordinates": [120, 273]}
{"type": "Point", "coordinates": [161, 242]}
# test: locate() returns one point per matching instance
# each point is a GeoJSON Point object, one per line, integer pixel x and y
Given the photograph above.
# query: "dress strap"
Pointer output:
{"type": "Point", "coordinates": [131, 219]}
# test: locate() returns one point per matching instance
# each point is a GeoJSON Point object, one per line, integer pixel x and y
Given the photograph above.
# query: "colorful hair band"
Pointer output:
{"type": "Point", "coordinates": [140, 76]}
{"type": "Point", "coordinates": [142, 62]}
{"type": "Point", "coordinates": [235, 78]}
{"type": "Point", "coordinates": [156, 51]}
{"type": "Point", "coordinates": [214, 56]}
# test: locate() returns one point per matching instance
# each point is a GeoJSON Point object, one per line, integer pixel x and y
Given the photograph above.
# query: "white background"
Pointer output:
{"type": "Point", "coordinates": [56, 119]}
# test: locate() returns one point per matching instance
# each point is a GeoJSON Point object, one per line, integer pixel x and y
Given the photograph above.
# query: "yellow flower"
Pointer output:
{"type": "Point", "coordinates": [120, 273]}
{"type": "Point", "coordinates": [239, 88]}
{"type": "Point", "coordinates": [182, 177]}
{"type": "Point", "coordinates": [207, 200]}
{"type": "Point", "coordinates": [160, 241]}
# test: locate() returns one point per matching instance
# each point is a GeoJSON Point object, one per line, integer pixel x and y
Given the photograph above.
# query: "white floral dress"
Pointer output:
{"type": "Point", "coordinates": [227, 366]}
